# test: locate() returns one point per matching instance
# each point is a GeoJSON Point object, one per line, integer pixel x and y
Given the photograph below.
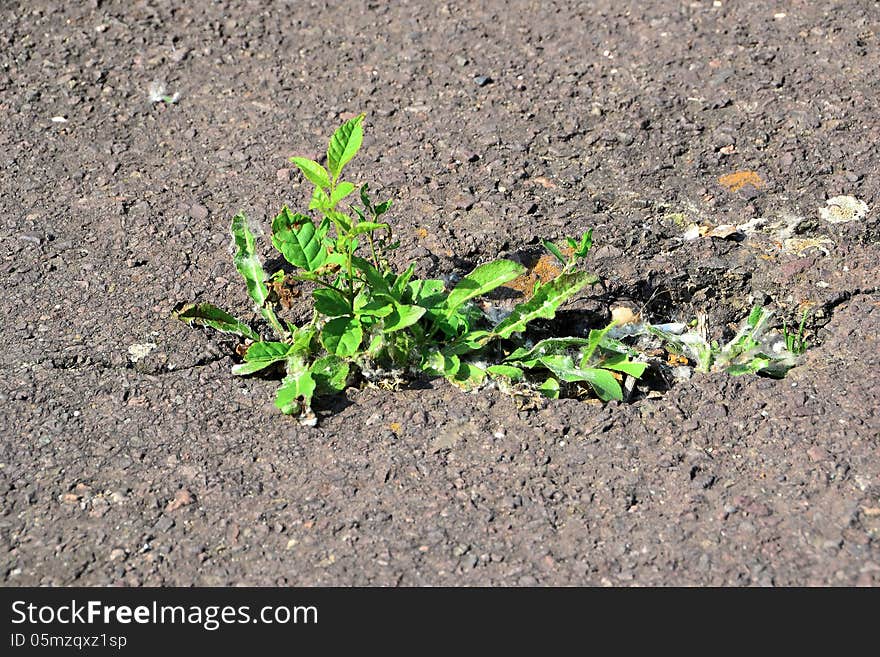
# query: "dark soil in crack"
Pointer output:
{"type": "Point", "coordinates": [491, 125]}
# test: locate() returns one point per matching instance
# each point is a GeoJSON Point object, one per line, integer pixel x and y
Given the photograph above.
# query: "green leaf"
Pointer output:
{"type": "Point", "coordinates": [603, 384]}
{"type": "Point", "coordinates": [755, 316]}
{"type": "Point", "coordinates": [374, 277]}
{"type": "Point", "coordinates": [555, 250]}
{"type": "Point", "coordinates": [428, 293]}
{"type": "Point", "coordinates": [585, 245]}
{"type": "Point", "coordinates": [342, 336]}
{"type": "Point", "coordinates": [330, 302]}
{"type": "Point", "coordinates": [481, 280]}
{"type": "Point", "coordinates": [550, 346]}
{"type": "Point", "coordinates": [246, 261]}
{"type": "Point", "coordinates": [342, 190]}
{"type": "Point", "coordinates": [620, 363]}
{"type": "Point", "coordinates": [297, 388]}
{"type": "Point", "coordinates": [248, 265]}
{"type": "Point", "coordinates": [471, 341]}
{"type": "Point", "coordinates": [301, 243]}
{"type": "Point", "coordinates": [597, 336]}
{"type": "Point", "coordinates": [376, 307]}
{"type": "Point", "coordinates": [402, 317]}
{"type": "Point", "coordinates": [367, 227]}
{"type": "Point", "coordinates": [341, 220]}
{"type": "Point", "coordinates": [330, 373]}
{"type": "Point", "coordinates": [550, 388]}
{"type": "Point", "coordinates": [401, 282]}
{"type": "Point", "coordinates": [441, 364]}
{"type": "Point", "coordinates": [316, 174]}
{"type": "Point", "coordinates": [468, 375]}
{"type": "Point", "coordinates": [545, 302]}
{"type": "Point", "coordinates": [383, 207]}
{"type": "Point", "coordinates": [344, 144]}
{"type": "Point", "coordinates": [602, 381]}
{"type": "Point", "coordinates": [302, 341]}
{"type": "Point", "coordinates": [365, 197]}
{"type": "Point", "coordinates": [320, 200]}
{"type": "Point", "coordinates": [261, 355]}
{"type": "Point", "coordinates": [206, 314]}
{"type": "Point", "coordinates": [506, 371]}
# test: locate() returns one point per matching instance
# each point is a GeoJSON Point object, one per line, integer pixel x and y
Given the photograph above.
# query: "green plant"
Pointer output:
{"type": "Point", "coordinates": [369, 320]}
{"type": "Point", "coordinates": [796, 343]}
{"type": "Point", "coordinates": [754, 349]}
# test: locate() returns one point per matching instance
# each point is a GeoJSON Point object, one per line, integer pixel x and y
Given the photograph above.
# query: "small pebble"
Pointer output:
{"type": "Point", "coordinates": [198, 212]}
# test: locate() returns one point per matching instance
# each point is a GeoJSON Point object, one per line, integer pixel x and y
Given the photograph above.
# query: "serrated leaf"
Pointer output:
{"type": "Point", "coordinates": [299, 240]}
{"type": "Point", "coordinates": [481, 280]}
{"type": "Point", "coordinates": [246, 261]}
{"type": "Point", "coordinates": [267, 351]}
{"type": "Point", "coordinates": [506, 371]}
{"type": "Point", "coordinates": [206, 314]}
{"type": "Point", "coordinates": [261, 355]}
{"type": "Point", "coordinates": [620, 363]}
{"type": "Point", "coordinates": [402, 317]}
{"type": "Point", "coordinates": [297, 388]}
{"type": "Point", "coordinates": [342, 336]}
{"type": "Point", "coordinates": [755, 316]}
{"type": "Point", "coordinates": [315, 173]}
{"type": "Point", "coordinates": [545, 302]}
{"type": "Point", "coordinates": [602, 381]}
{"type": "Point", "coordinates": [550, 346]}
{"type": "Point", "coordinates": [341, 220]}
{"type": "Point", "coordinates": [320, 200]}
{"type": "Point", "coordinates": [330, 302]}
{"type": "Point", "coordinates": [344, 144]}
{"type": "Point", "coordinates": [248, 265]}
{"type": "Point", "coordinates": [330, 373]}
{"type": "Point", "coordinates": [342, 190]}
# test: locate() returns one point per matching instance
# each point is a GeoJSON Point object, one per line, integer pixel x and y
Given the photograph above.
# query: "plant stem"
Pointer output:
{"type": "Point", "coordinates": [373, 250]}
{"type": "Point", "coordinates": [269, 314]}
{"type": "Point", "coordinates": [349, 255]}
{"type": "Point", "coordinates": [327, 285]}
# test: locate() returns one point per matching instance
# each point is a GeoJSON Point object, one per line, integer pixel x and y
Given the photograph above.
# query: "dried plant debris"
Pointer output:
{"type": "Point", "coordinates": [724, 231]}
{"type": "Point", "coordinates": [841, 209]}
{"type": "Point", "coordinates": [802, 246]}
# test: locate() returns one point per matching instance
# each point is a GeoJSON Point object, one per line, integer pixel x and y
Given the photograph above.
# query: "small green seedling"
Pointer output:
{"type": "Point", "coordinates": [159, 95]}
{"type": "Point", "coordinates": [369, 320]}
{"type": "Point", "coordinates": [796, 343]}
